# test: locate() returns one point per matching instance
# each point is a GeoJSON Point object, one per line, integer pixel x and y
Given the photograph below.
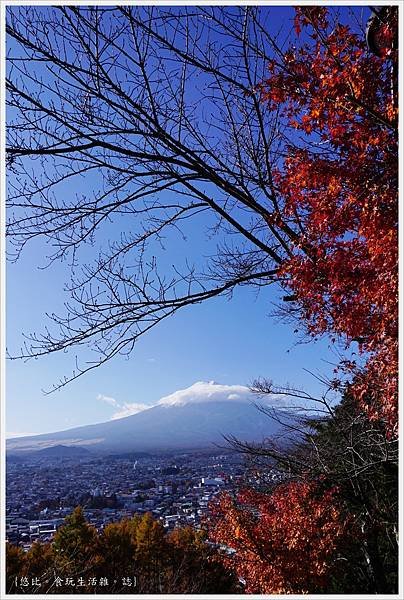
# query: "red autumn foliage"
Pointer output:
{"type": "Point", "coordinates": [286, 542]}
{"type": "Point", "coordinates": [339, 185]}
{"type": "Point", "coordinates": [339, 181]}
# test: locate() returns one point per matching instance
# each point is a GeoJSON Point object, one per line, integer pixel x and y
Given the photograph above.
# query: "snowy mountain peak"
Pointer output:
{"type": "Point", "coordinates": [207, 391]}
{"type": "Point", "coordinates": [192, 418]}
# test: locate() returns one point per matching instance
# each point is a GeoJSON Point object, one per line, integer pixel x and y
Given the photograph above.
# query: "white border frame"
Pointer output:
{"type": "Point", "coordinates": [3, 5]}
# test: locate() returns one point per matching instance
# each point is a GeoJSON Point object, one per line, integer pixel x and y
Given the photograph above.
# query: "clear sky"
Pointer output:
{"type": "Point", "coordinates": [229, 341]}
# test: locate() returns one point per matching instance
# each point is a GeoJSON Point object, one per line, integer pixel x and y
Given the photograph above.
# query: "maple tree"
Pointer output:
{"type": "Point", "coordinates": [285, 542]}
{"type": "Point", "coordinates": [344, 453]}
{"type": "Point", "coordinates": [340, 180]}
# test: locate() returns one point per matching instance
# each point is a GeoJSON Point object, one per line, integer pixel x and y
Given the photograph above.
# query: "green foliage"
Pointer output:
{"type": "Point", "coordinates": [15, 559]}
{"type": "Point", "coordinates": [38, 559]}
{"type": "Point", "coordinates": [75, 546]}
{"type": "Point", "coordinates": [139, 549]}
{"type": "Point", "coordinates": [197, 565]}
{"type": "Point", "coordinates": [117, 549]}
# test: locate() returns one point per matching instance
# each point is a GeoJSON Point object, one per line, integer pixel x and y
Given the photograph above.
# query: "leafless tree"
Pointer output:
{"type": "Point", "coordinates": [146, 121]}
{"type": "Point", "coordinates": [157, 110]}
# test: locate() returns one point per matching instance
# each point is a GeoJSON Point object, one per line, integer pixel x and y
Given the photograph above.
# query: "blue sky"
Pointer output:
{"type": "Point", "coordinates": [229, 341]}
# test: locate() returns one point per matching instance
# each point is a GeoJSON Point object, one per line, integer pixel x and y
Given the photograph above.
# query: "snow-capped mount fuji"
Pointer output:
{"type": "Point", "coordinates": [194, 418]}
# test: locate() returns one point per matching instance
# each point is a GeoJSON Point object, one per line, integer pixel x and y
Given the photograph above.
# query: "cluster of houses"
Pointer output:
{"type": "Point", "coordinates": [176, 490]}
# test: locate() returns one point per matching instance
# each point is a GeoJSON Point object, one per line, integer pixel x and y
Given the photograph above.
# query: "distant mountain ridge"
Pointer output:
{"type": "Point", "coordinates": [187, 426]}
{"type": "Point", "coordinates": [63, 451]}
